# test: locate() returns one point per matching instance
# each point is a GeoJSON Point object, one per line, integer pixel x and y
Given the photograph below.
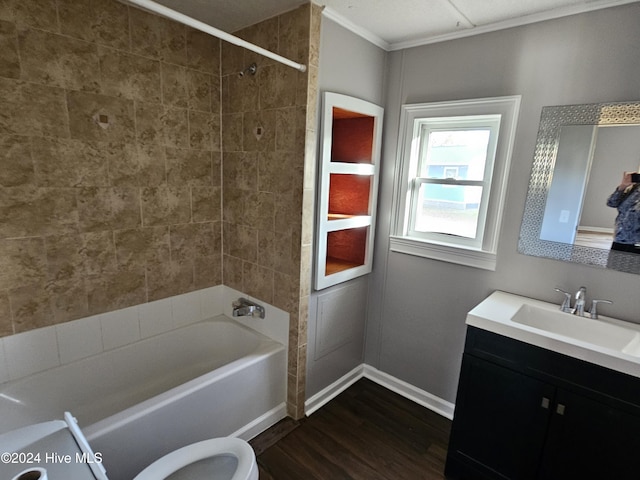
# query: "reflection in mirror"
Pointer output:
{"type": "Point", "coordinates": [581, 154]}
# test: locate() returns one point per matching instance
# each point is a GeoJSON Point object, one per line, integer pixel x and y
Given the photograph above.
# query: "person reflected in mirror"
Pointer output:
{"type": "Point", "coordinates": [626, 198]}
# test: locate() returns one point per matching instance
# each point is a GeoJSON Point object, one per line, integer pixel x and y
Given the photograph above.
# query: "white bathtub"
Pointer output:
{"type": "Point", "coordinates": [138, 402]}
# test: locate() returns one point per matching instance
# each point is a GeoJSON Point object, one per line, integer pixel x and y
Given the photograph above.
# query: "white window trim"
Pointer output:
{"type": "Point", "coordinates": [480, 257]}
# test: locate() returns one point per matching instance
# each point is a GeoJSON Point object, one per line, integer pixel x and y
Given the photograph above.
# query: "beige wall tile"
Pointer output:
{"type": "Point", "coordinates": [136, 166]}
{"type": "Point", "coordinates": [6, 326]}
{"type": "Point", "coordinates": [31, 307]}
{"type": "Point", "coordinates": [175, 87]}
{"type": "Point", "coordinates": [103, 22]}
{"type": "Point", "coordinates": [27, 211]}
{"type": "Point", "coordinates": [129, 76]}
{"type": "Point", "coordinates": [108, 208]}
{"type": "Point", "coordinates": [31, 13]}
{"type": "Point", "coordinates": [69, 301]}
{"type": "Point", "coordinates": [259, 131]}
{"type": "Point", "coordinates": [9, 61]}
{"type": "Point", "coordinates": [92, 145]}
{"type": "Point", "coordinates": [258, 281]}
{"type": "Point", "coordinates": [157, 37]}
{"type": "Point", "coordinates": [189, 167]}
{"type": "Point", "coordinates": [232, 58]}
{"type": "Point", "coordinates": [165, 205]}
{"type": "Point", "coordinates": [16, 164]}
{"type": "Point", "coordinates": [203, 51]}
{"type": "Point", "coordinates": [142, 246]}
{"type": "Point", "coordinates": [168, 279]}
{"type": "Point", "coordinates": [240, 94]}
{"type": "Point", "coordinates": [199, 86]}
{"type": "Point", "coordinates": [206, 204]}
{"type": "Point", "coordinates": [59, 61]}
{"type": "Point", "coordinates": [259, 210]}
{"type": "Point", "coordinates": [100, 117]}
{"type": "Point", "coordinates": [266, 248]}
{"type": "Point", "coordinates": [24, 262]}
{"type": "Point", "coordinates": [99, 253]}
{"type": "Point", "coordinates": [149, 123]}
{"type": "Point", "coordinates": [175, 124]}
{"type": "Point", "coordinates": [243, 242]}
{"type": "Point", "coordinates": [121, 289]}
{"type": "Point", "coordinates": [231, 132]}
{"type": "Point", "coordinates": [232, 271]}
{"type": "Point", "coordinates": [32, 109]}
{"type": "Point", "coordinates": [204, 130]}
{"type": "Point", "coordinates": [77, 163]}
{"type": "Point", "coordinates": [65, 258]}
{"type": "Point", "coordinates": [208, 272]}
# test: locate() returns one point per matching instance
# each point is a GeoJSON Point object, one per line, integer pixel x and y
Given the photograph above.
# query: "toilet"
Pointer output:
{"type": "Point", "coordinates": [224, 458]}
{"type": "Point", "coordinates": [215, 459]}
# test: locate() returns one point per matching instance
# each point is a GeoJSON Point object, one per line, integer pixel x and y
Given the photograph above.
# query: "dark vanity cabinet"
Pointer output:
{"type": "Point", "coordinates": [524, 412]}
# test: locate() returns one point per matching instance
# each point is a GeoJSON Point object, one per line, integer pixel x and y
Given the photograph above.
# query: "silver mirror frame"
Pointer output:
{"type": "Point", "coordinates": [552, 119]}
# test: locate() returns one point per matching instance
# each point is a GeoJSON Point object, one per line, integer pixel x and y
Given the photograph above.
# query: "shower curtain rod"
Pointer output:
{"type": "Point", "coordinates": [203, 27]}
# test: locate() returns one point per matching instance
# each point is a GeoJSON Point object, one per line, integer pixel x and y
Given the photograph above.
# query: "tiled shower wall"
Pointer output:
{"type": "Point", "coordinates": [111, 168]}
{"type": "Point", "coordinates": [268, 143]}
{"type": "Point", "coordinates": [110, 162]}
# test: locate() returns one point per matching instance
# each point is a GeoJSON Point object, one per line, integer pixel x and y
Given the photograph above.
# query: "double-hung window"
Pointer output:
{"type": "Point", "coordinates": [454, 160]}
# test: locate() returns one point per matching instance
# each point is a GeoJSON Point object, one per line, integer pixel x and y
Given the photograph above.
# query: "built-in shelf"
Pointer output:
{"type": "Point", "coordinates": [350, 161]}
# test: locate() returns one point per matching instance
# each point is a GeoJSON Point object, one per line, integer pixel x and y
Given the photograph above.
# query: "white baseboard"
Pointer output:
{"type": "Point", "coordinates": [260, 424]}
{"type": "Point", "coordinates": [333, 390]}
{"type": "Point", "coordinates": [415, 394]}
{"type": "Point", "coordinates": [407, 390]}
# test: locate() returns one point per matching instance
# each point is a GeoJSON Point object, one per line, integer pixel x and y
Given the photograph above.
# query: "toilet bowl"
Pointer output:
{"type": "Point", "coordinates": [215, 459]}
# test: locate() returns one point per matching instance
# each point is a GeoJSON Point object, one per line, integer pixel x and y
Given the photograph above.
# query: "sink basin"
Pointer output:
{"type": "Point", "coordinates": [608, 342]}
{"type": "Point", "coordinates": [594, 332]}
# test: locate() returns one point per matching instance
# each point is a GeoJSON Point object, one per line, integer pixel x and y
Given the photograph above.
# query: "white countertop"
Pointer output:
{"type": "Point", "coordinates": [495, 314]}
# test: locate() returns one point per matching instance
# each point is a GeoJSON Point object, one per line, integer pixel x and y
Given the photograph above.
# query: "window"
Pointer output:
{"type": "Point", "coordinates": [451, 186]}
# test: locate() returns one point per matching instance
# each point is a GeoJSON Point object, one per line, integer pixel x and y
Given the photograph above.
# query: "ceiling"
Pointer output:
{"type": "Point", "coordinates": [395, 24]}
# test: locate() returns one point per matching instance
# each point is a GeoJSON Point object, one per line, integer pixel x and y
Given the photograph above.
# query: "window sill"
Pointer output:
{"type": "Point", "coordinates": [446, 253]}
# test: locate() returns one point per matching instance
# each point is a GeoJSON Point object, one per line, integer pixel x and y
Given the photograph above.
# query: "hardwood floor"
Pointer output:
{"type": "Point", "coordinates": [366, 433]}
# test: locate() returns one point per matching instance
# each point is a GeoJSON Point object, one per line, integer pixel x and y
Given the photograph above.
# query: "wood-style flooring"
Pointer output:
{"type": "Point", "coordinates": [365, 433]}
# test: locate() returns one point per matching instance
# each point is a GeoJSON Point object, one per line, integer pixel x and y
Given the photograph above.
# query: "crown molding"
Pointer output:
{"type": "Point", "coordinates": [362, 32]}
{"type": "Point", "coordinates": [468, 32]}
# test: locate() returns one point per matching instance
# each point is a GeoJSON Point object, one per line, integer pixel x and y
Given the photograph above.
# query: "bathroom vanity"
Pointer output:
{"type": "Point", "coordinates": [533, 403]}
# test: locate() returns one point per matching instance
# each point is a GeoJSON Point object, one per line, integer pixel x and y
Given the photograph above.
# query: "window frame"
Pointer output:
{"type": "Point", "coordinates": [480, 254]}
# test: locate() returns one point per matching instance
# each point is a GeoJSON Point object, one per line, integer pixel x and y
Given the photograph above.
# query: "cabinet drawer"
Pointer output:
{"type": "Point", "coordinates": [600, 383]}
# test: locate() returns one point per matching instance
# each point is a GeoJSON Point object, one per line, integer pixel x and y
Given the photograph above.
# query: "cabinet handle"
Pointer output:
{"type": "Point", "coordinates": [545, 403]}
{"type": "Point", "coordinates": [560, 409]}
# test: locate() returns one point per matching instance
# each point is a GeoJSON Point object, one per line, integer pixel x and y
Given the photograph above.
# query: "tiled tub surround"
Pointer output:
{"type": "Point", "coordinates": [110, 162]}
{"type": "Point", "coordinates": [44, 348]}
{"type": "Point", "coordinates": [111, 145]}
{"type": "Point", "coordinates": [269, 157]}
{"type": "Point", "coordinates": [192, 381]}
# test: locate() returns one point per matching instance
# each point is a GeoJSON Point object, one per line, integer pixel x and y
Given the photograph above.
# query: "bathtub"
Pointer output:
{"type": "Point", "coordinates": [140, 401]}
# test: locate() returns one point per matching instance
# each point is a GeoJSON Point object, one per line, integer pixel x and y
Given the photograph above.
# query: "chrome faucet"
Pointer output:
{"type": "Point", "coordinates": [578, 308]}
{"type": "Point", "coordinates": [246, 308]}
{"type": "Point", "coordinates": [566, 303]}
{"type": "Point", "coordinates": [593, 313]}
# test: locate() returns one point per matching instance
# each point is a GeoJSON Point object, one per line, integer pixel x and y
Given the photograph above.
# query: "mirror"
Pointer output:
{"type": "Point", "coordinates": [580, 155]}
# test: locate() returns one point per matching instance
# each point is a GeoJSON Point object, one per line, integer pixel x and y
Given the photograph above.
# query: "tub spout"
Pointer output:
{"type": "Point", "coordinates": [246, 308]}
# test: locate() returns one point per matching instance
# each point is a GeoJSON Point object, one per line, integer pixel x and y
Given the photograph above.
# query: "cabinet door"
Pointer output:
{"type": "Point", "coordinates": [590, 440]}
{"type": "Point", "coordinates": [500, 421]}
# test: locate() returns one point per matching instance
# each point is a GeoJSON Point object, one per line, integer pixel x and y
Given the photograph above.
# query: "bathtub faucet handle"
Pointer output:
{"type": "Point", "coordinates": [246, 308]}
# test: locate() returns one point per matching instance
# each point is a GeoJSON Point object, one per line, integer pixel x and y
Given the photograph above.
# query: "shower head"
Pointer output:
{"type": "Point", "coordinates": [251, 70]}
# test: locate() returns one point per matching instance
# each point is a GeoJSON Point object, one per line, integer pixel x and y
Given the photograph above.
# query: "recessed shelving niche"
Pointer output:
{"type": "Point", "coordinates": [350, 161]}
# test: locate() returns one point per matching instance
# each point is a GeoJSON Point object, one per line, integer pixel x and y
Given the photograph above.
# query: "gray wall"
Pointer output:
{"type": "Point", "coordinates": [417, 307]}
{"type": "Point", "coordinates": [337, 315]}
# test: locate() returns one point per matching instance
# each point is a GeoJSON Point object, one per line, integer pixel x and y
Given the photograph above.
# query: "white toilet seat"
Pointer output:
{"type": "Point", "coordinates": [247, 468]}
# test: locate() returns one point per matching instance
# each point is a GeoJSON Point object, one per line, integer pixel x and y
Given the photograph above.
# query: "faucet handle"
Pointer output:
{"type": "Point", "coordinates": [566, 303]}
{"type": "Point", "coordinates": [593, 313]}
